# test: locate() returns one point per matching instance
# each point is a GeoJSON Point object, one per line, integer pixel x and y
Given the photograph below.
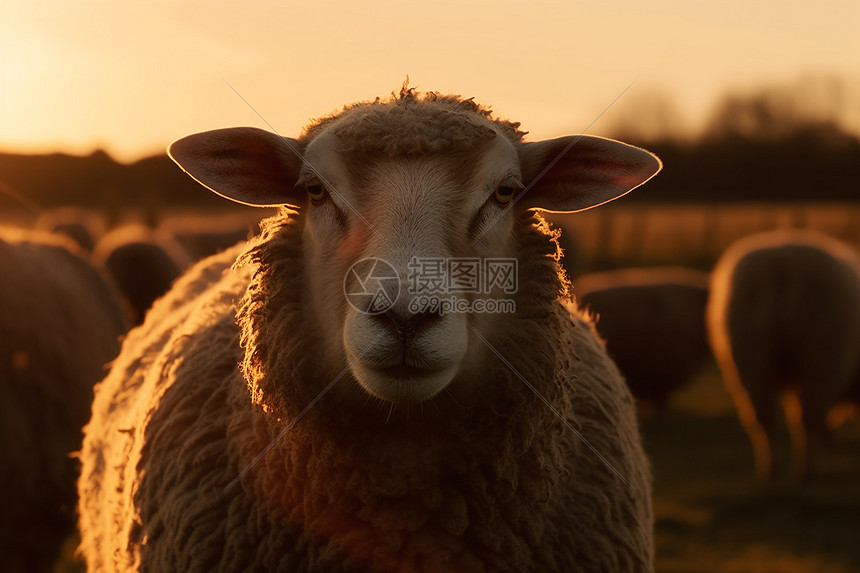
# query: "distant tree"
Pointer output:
{"type": "Point", "coordinates": [812, 106]}
{"type": "Point", "coordinates": [783, 142]}
{"type": "Point", "coordinates": [647, 115]}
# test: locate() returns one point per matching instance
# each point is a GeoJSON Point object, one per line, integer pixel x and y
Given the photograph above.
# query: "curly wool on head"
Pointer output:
{"type": "Point", "coordinates": [412, 123]}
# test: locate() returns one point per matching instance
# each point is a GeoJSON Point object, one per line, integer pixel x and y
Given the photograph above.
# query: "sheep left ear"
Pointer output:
{"type": "Point", "coordinates": [244, 164]}
{"type": "Point", "coordinates": [579, 172]}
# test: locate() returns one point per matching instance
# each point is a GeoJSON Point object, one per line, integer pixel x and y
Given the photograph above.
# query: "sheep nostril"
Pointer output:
{"type": "Point", "coordinates": [407, 326]}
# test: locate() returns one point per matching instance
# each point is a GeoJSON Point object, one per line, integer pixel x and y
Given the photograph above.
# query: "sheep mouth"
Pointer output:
{"type": "Point", "coordinates": [403, 360]}
{"type": "Point", "coordinates": [403, 371]}
{"type": "Point", "coordinates": [402, 383]}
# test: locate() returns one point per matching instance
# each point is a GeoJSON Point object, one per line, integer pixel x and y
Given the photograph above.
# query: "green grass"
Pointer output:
{"type": "Point", "coordinates": [712, 515]}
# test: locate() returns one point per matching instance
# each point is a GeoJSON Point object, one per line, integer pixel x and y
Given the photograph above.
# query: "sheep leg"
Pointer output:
{"type": "Point", "coordinates": [758, 417]}
{"type": "Point", "coordinates": [756, 406]}
{"type": "Point", "coordinates": [762, 432]}
{"type": "Point", "coordinates": [812, 421]}
{"type": "Point", "coordinates": [815, 428]}
{"type": "Point", "coordinates": [796, 419]}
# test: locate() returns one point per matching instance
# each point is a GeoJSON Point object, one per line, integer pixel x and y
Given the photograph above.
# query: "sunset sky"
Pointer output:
{"type": "Point", "coordinates": [132, 76]}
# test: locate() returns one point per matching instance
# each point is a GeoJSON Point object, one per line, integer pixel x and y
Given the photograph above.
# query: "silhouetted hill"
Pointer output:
{"type": "Point", "coordinates": [97, 180]}
{"type": "Point", "coordinates": [803, 167]}
{"type": "Point", "coordinates": [773, 145]}
{"type": "Point", "coordinates": [776, 143]}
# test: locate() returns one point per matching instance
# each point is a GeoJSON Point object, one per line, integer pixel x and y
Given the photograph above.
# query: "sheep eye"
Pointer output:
{"type": "Point", "coordinates": [316, 191]}
{"type": "Point", "coordinates": [504, 194]}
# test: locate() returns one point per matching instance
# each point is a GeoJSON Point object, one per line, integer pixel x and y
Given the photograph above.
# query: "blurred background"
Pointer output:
{"type": "Point", "coordinates": [754, 108]}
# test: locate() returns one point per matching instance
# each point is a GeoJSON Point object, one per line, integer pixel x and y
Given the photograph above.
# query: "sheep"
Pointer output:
{"type": "Point", "coordinates": [204, 236]}
{"type": "Point", "coordinates": [377, 438]}
{"type": "Point", "coordinates": [82, 226]}
{"type": "Point", "coordinates": [59, 325]}
{"type": "Point", "coordinates": [653, 321]}
{"type": "Point", "coordinates": [784, 321]}
{"type": "Point", "coordinates": [143, 263]}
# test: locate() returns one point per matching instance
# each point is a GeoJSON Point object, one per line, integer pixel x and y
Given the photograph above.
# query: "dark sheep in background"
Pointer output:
{"type": "Point", "coordinates": [784, 321]}
{"type": "Point", "coordinates": [60, 324]}
{"type": "Point", "coordinates": [653, 322]}
{"type": "Point", "coordinates": [82, 226]}
{"type": "Point", "coordinates": [142, 262]}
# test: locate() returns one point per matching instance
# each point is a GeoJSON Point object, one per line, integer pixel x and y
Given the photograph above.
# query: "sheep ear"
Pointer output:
{"type": "Point", "coordinates": [243, 164]}
{"type": "Point", "coordinates": [579, 172]}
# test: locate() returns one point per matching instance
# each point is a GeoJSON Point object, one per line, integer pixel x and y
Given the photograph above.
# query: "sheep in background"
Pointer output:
{"type": "Point", "coordinates": [204, 236]}
{"type": "Point", "coordinates": [356, 440]}
{"type": "Point", "coordinates": [82, 226]}
{"type": "Point", "coordinates": [653, 321]}
{"type": "Point", "coordinates": [59, 325]}
{"type": "Point", "coordinates": [784, 321]}
{"type": "Point", "coordinates": [142, 262]}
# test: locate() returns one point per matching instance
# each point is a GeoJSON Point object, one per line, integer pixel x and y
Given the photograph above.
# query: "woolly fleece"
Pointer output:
{"type": "Point", "coordinates": [500, 485]}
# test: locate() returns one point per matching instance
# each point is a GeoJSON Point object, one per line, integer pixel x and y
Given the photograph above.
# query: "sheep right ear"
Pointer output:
{"type": "Point", "coordinates": [579, 172]}
{"type": "Point", "coordinates": [243, 164]}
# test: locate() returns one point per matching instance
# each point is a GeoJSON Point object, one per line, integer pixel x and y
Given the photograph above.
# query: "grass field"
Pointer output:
{"type": "Point", "coordinates": [694, 235]}
{"type": "Point", "coordinates": [713, 516]}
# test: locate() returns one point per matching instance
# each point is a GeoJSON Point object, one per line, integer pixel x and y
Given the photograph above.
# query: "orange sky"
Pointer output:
{"type": "Point", "coordinates": [131, 76]}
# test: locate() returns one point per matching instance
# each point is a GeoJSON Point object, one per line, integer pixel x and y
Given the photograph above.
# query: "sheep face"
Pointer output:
{"type": "Point", "coordinates": [376, 213]}
{"type": "Point", "coordinates": [385, 220]}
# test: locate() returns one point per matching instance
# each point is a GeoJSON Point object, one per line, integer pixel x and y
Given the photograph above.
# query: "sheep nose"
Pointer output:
{"type": "Point", "coordinates": [407, 326]}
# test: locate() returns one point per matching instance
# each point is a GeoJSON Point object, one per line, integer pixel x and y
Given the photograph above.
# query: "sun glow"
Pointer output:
{"type": "Point", "coordinates": [133, 76]}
